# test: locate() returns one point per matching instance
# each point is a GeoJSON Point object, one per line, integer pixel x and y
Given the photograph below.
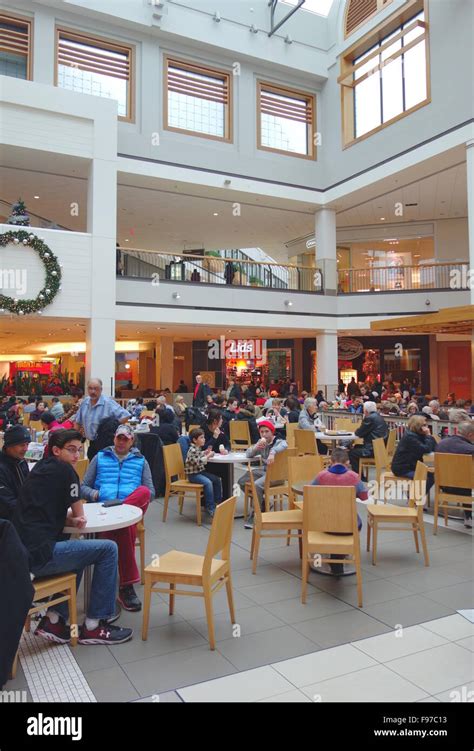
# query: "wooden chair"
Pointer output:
{"type": "Point", "coordinates": [140, 541]}
{"type": "Point", "coordinates": [205, 571]}
{"type": "Point", "coordinates": [302, 469]}
{"type": "Point", "coordinates": [411, 516]}
{"type": "Point", "coordinates": [391, 443]}
{"type": "Point", "coordinates": [345, 423]}
{"type": "Point", "coordinates": [452, 471]}
{"type": "Point", "coordinates": [330, 527]}
{"type": "Point", "coordinates": [239, 432]}
{"type": "Point", "coordinates": [81, 468]}
{"type": "Point", "coordinates": [276, 480]}
{"type": "Point", "coordinates": [36, 425]}
{"type": "Point", "coordinates": [383, 473]}
{"type": "Point", "coordinates": [192, 427]}
{"type": "Point", "coordinates": [26, 419]}
{"type": "Point", "coordinates": [60, 588]}
{"type": "Point", "coordinates": [174, 467]}
{"type": "Point", "coordinates": [305, 441]}
{"type": "Point", "coordinates": [271, 522]}
{"type": "Point", "coordinates": [290, 434]}
{"type": "Point", "coordinates": [148, 413]}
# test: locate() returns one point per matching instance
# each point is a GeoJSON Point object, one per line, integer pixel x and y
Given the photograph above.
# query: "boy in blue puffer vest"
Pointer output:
{"type": "Point", "coordinates": [121, 472]}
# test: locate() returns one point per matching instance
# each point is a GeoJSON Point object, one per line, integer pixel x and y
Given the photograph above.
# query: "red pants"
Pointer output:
{"type": "Point", "coordinates": [125, 539]}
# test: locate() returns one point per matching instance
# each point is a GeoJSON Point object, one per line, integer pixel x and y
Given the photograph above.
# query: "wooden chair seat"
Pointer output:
{"type": "Point", "coordinates": [181, 565]}
{"type": "Point", "coordinates": [326, 542]}
{"type": "Point", "coordinates": [174, 467]}
{"type": "Point", "coordinates": [185, 485]}
{"type": "Point", "coordinates": [392, 511]}
{"type": "Point", "coordinates": [272, 518]}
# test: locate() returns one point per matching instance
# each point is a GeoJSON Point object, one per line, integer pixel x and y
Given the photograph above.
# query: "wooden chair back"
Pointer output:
{"type": "Point", "coordinates": [277, 473]}
{"type": "Point", "coordinates": [382, 461]}
{"type": "Point", "coordinates": [220, 536]}
{"type": "Point", "coordinates": [81, 468]}
{"type": "Point", "coordinates": [36, 425]}
{"type": "Point", "coordinates": [26, 419]}
{"type": "Point", "coordinates": [192, 427]}
{"type": "Point", "coordinates": [329, 509]}
{"type": "Point", "coordinates": [391, 442]}
{"type": "Point", "coordinates": [148, 413]}
{"type": "Point", "coordinates": [306, 442]}
{"type": "Point", "coordinates": [290, 434]}
{"type": "Point", "coordinates": [239, 432]}
{"type": "Point", "coordinates": [455, 471]}
{"type": "Point", "coordinates": [303, 468]}
{"type": "Point", "coordinates": [345, 423]}
{"type": "Point", "coordinates": [418, 485]}
{"type": "Point", "coordinates": [174, 464]}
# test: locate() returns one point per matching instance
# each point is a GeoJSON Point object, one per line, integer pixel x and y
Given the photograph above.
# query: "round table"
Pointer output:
{"type": "Point", "coordinates": [324, 569]}
{"type": "Point", "coordinates": [100, 519]}
{"type": "Point", "coordinates": [341, 437]}
{"type": "Point", "coordinates": [231, 459]}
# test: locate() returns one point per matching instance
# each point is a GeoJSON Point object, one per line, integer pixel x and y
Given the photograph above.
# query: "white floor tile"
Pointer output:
{"type": "Point", "coordinates": [248, 686]}
{"type": "Point", "coordinates": [291, 697]}
{"type": "Point", "coordinates": [435, 670]}
{"type": "Point", "coordinates": [452, 627]}
{"type": "Point", "coordinates": [467, 643]}
{"type": "Point", "coordinates": [318, 666]}
{"type": "Point", "coordinates": [464, 693]}
{"type": "Point", "coordinates": [375, 684]}
{"type": "Point", "coordinates": [399, 643]}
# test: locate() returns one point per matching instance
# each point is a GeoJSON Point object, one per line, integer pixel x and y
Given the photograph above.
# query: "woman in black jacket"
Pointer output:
{"type": "Point", "coordinates": [214, 437]}
{"type": "Point", "coordinates": [416, 441]}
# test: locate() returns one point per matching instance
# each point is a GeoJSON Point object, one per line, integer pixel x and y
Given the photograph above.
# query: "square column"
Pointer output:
{"type": "Point", "coordinates": [100, 352]}
{"type": "Point", "coordinates": [326, 257]}
{"type": "Point", "coordinates": [164, 363]}
{"type": "Point", "coordinates": [470, 206]}
{"type": "Point", "coordinates": [327, 363]}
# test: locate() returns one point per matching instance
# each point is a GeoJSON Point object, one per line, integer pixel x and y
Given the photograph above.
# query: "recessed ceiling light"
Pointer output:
{"type": "Point", "coordinates": [215, 213]}
{"type": "Point", "coordinates": [36, 197]}
{"type": "Point", "coordinates": [126, 241]}
{"type": "Point", "coordinates": [382, 218]}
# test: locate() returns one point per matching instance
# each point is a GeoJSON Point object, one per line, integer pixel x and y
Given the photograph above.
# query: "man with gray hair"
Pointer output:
{"type": "Point", "coordinates": [461, 443]}
{"type": "Point", "coordinates": [437, 411]}
{"type": "Point", "coordinates": [373, 426]}
{"type": "Point", "coordinates": [309, 420]}
{"type": "Point", "coordinates": [95, 408]}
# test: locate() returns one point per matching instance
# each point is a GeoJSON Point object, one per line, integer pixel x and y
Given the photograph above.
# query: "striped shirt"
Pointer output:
{"type": "Point", "coordinates": [89, 416]}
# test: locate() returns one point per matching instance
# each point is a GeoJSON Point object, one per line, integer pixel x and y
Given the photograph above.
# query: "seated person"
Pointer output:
{"type": "Point", "coordinates": [38, 411]}
{"type": "Point", "coordinates": [13, 468]}
{"type": "Point", "coordinates": [121, 472]}
{"type": "Point", "coordinates": [294, 408]}
{"type": "Point", "coordinates": [267, 447]}
{"type": "Point", "coordinates": [166, 429]}
{"type": "Point", "coordinates": [49, 424]}
{"type": "Point", "coordinates": [247, 413]}
{"type": "Point", "coordinates": [460, 443]}
{"type": "Point", "coordinates": [373, 426]}
{"type": "Point", "coordinates": [195, 468]}
{"type": "Point", "coordinates": [309, 419]}
{"type": "Point", "coordinates": [340, 474]}
{"type": "Point", "coordinates": [30, 406]}
{"type": "Point", "coordinates": [57, 408]}
{"type": "Point", "coordinates": [214, 436]}
{"type": "Point", "coordinates": [414, 443]}
{"type": "Point", "coordinates": [49, 501]}
{"type": "Point", "coordinates": [230, 414]}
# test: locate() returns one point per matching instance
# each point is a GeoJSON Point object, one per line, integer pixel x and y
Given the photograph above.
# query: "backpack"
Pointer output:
{"type": "Point", "coordinates": [194, 416]}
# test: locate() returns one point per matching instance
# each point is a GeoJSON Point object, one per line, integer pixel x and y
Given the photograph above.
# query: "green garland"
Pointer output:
{"type": "Point", "coordinates": [52, 283]}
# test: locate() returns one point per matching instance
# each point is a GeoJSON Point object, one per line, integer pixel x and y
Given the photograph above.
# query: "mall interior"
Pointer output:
{"type": "Point", "coordinates": [259, 193]}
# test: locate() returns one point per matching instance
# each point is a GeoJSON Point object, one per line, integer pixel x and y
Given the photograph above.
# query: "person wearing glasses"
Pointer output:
{"type": "Point", "coordinates": [49, 500]}
{"type": "Point", "coordinates": [121, 472]}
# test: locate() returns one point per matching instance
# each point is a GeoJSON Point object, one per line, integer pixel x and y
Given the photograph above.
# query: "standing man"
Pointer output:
{"type": "Point", "coordinates": [95, 408]}
{"type": "Point", "coordinates": [201, 391]}
{"type": "Point", "coordinates": [13, 468]}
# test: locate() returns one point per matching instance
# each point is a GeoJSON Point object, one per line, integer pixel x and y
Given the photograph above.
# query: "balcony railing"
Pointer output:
{"type": "Point", "coordinates": [401, 278]}
{"type": "Point", "coordinates": [175, 267]}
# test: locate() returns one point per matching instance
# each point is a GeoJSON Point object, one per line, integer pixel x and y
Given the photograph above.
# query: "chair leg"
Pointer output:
{"type": "Point", "coordinates": [304, 576]}
{"type": "Point", "coordinates": [165, 505]}
{"type": "Point", "coordinates": [14, 667]}
{"type": "Point", "coordinates": [246, 504]}
{"type": "Point", "coordinates": [230, 597]}
{"type": "Point", "coordinates": [172, 596]}
{"type": "Point", "coordinates": [252, 544]}
{"type": "Point", "coordinates": [368, 534]}
{"type": "Point", "coordinates": [198, 508]}
{"type": "Point", "coordinates": [255, 552]}
{"type": "Point", "coordinates": [415, 535]}
{"type": "Point", "coordinates": [435, 514]}
{"type": "Point", "coordinates": [445, 517]}
{"type": "Point", "coordinates": [209, 616]}
{"type": "Point", "coordinates": [146, 606]}
{"type": "Point", "coordinates": [374, 544]}
{"type": "Point", "coordinates": [28, 624]}
{"type": "Point", "coordinates": [423, 543]}
{"type": "Point", "coordinates": [300, 542]}
{"type": "Point", "coordinates": [359, 576]}
{"type": "Point", "coordinates": [73, 615]}
{"type": "Point", "coordinates": [288, 537]}
{"type": "Point", "coordinates": [141, 537]}
{"type": "Point", "coordinates": [181, 503]}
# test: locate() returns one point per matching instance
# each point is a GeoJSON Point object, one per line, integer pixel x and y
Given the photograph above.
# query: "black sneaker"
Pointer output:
{"type": "Point", "coordinates": [337, 568]}
{"type": "Point", "coordinates": [105, 634]}
{"type": "Point", "coordinates": [58, 632]}
{"type": "Point", "coordinates": [128, 599]}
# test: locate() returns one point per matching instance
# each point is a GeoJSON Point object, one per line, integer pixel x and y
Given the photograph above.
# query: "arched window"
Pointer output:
{"type": "Point", "coordinates": [359, 11]}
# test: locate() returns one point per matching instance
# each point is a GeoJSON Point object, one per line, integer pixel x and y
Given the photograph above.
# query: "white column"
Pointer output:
{"type": "Point", "coordinates": [470, 206]}
{"type": "Point", "coordinates": [326, 258]}
{"type": "Point", "coordinates": [100, 352]}
{"type": "Point", "coordinates": [164, 363]}
{"type": "Point", "coordinates": [326, 363]}
{"type": "Point", "coordinates": [101, 223]}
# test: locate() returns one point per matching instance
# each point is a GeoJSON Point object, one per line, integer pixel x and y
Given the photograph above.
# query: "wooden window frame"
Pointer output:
{"type": "Point", "coordinates": [412, 8]}
{"type": "Point", "coordinates": [381, 5]}
{"type": "Point", "coordinates": [7, 17]}
{"type": "Point", "coordinates": [92, 39]}
{"type": "Point", "coordinates": [201, 70]}
{"type": "Point", "coordinates": [294, 94]}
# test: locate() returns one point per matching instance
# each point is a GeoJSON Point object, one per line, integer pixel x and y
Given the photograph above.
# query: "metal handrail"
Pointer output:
{"type": "Point", "coordinates": [436, 275]}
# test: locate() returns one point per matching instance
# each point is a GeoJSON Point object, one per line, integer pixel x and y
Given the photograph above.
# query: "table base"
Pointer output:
{"type": "Point", "coordinates": [325, 570]}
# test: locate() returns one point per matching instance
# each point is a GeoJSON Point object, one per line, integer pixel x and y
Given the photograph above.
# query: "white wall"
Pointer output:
{"type": "Point", "coordinates": [452, 241]}
{"type": "Point", "coordinates": [73, 250]}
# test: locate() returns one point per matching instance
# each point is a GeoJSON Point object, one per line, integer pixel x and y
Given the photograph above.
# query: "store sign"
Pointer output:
{"type": "Point", "coordinates": [237, 349]}
{"type": "Point", "coordinates": [349, 349]}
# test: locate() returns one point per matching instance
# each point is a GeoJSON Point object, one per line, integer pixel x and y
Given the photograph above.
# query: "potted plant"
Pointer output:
{"type": "Point", "coordinates": [211, 265]}
{"type": "Point", "coordinates": [255, 281]}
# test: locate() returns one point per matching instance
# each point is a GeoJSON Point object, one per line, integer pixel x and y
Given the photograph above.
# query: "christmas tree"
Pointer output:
{"type": "Point", "coordinates": [19, 215]}
{"type": "Point", "coordinates": [369, 366]}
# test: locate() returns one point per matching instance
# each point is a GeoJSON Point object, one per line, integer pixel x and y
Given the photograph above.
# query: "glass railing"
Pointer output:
{"type": "Point", "coordinates": [401, 278]}
{"type": "Point", "coordinates": [173, 267]}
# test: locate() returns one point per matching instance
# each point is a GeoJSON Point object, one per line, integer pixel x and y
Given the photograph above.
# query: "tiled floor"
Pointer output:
{"type": "Point", "coordinates": [407, 642]}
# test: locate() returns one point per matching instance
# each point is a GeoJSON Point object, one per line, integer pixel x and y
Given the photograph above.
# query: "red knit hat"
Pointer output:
{"type": "Point", "coordinates": [266, 424]}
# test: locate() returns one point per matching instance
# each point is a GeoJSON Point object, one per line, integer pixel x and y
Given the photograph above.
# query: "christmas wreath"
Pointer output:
{"type": "Point", "coordinates": [52, 282]}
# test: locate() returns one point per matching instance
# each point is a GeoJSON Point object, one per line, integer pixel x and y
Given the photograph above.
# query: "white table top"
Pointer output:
{"type": "Point", "coordinates": [100, 519]}
{"type": "Point", "coordinates": [232, 458]}
{"type": "Point", "coordinates": [326, 437]}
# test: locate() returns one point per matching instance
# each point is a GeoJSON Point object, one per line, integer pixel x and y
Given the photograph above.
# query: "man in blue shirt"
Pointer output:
{"type": "Point", "coordinates": [95, 408]}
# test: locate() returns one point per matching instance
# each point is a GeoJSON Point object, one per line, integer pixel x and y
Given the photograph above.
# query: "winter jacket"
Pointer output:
{"type": "Point", "coordinates": [309, 422]}
{"type": "Point", "coordinates": [410, 450]}
{"type": "Point", "coordinates": [275, 447]}
{"type": "Point", "coordinates": [114, 477]}
{"type": "Point", "coordinates": [372, 426]}
{"type": "Point", "coordinates": [13, 474]}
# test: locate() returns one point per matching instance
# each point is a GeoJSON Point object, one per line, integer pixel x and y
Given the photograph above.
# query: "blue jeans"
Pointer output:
{"type": "Point", "coordinates": [212, 487]}
{"type": "Point", "coordinates": [71, 557]}
{"type": "Point", "coordinates": [429, 480]}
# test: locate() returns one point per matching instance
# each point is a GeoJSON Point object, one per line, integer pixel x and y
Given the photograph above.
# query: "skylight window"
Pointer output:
{"type": "Point", "coordinates": [321, 7]}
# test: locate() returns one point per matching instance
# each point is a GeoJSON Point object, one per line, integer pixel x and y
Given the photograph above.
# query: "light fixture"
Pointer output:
{"type": "Point", "coordinates": [382, 218]}
{"type": "Point", "coordinates": [215, 213]}
{"type": "Point", "coordinates": [127, 366]}
{"type": "Point", "coordinates": [288, 303]}
{"type": "Point", "coordinates": [36, 197]}
{"type": "Point", "coordinates": [217, 16]}
{"type": "Point", "coordinates": [176, 295]}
